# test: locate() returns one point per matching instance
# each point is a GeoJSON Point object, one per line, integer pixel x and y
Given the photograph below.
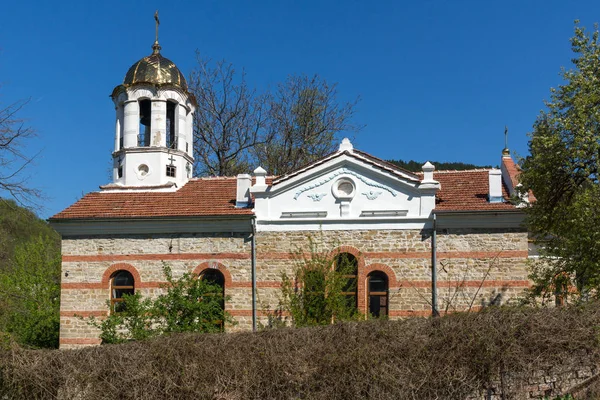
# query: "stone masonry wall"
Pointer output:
{"type": "Point", "coordinates": [475, 268]}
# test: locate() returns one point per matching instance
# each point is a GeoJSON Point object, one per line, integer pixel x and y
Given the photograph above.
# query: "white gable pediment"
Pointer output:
{"type": "Point", "coordinates": [344, 187]}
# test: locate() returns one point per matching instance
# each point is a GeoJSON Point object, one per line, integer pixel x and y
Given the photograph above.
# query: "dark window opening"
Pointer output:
{"type": "Point", "coordinates": [120, 142]}
{"type": "Point", "coordinates": [120, 171]}
{"type": "Point", "coordinates": [347, 265]}
{"type": "Point", "coordinates": [121, 284]}
{"type": "Point", "coordinates": [171, 171]}
{"type": "Point", "coordinates": [215, 277]}
{"type": "Point", "coordinates": [187, 147]}
{"type": "Point", "coordinates": [145, 118]}
{"type": "Point", "coordinates": [378, 294]}
{"type": "Point", "coordinates": [171, 138]}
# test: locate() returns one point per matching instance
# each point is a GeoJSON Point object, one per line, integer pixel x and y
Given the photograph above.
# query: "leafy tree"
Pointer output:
{"type": "Point", "coordinates": [315, 294]}
{"type": "Point", "coordinates": [229, 120]}
{"type": "Point", "coordinates": [188, 304]}
{"type": "Point", "coordinates": [18, 226]}
{"type": "Point", "coordinates": [30, 294]}
{"type": "Point", "coordinates": [562, 172]}
{"type": "Point", "coordinates": [305, 119]}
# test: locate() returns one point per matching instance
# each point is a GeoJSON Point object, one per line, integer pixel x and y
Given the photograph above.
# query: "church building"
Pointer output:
{"type": "Point", "coordinates": [403, 231]}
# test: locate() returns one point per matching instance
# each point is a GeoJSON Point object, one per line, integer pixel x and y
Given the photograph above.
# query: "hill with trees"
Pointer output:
{"type": "Point", "coordinates": [415, 166]}
{"type": "Point", "coordinates": [29, 277]}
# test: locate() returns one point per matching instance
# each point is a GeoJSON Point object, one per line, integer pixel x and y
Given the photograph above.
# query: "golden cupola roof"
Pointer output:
{"type": "Point", "coordinates": [155, 69]}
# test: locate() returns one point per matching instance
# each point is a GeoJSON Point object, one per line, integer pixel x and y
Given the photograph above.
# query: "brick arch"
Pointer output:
{"type": "Point", "coordinates": [214, 265]}
{"type": "Point", "coordinates": [391, 275]}
{"type": "Point", "coordinates": [360, 259]}
{"type": "Point", "coordinates": [351, 250]}
{"type": "Point", "coordinates": [121, 267]}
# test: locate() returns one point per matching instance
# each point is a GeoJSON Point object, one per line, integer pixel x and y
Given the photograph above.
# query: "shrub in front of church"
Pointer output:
{"type": "Point", "coordinates": [320, 291]}
{"type": "Point", "coordinates": [501, 352]}
{"type": "Point", "coordinates": [188, 304]}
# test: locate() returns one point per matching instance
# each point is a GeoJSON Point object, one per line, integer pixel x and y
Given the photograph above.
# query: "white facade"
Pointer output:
{"type": "Point", "coordinates": [347, 190]}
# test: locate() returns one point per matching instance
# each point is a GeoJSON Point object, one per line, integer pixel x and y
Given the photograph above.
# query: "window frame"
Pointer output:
{"type": "Point", "coordinates": [112, 287]}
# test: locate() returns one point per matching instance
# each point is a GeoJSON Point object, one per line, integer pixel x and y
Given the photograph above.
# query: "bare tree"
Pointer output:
{"type": "Point", "coordinates": [13, 161]}
{"type": "Point", "coordinates": [304, 121]}
{"type": "Point", "coordinates": [229, 121]}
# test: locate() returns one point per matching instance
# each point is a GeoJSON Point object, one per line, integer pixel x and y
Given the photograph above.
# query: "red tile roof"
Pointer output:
{"type": "Point", "coordinates": [467, 191]}
{"type": "Point", "coordinates": [461, 191]}
{"type": "Point", "coordinates": [199, 197]}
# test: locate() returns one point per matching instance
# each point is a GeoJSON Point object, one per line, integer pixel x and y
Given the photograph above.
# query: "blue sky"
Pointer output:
{"type": "Point", "coordinates": [438, 80]}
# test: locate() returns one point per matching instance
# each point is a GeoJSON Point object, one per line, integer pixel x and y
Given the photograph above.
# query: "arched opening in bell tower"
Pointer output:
{"type": "Point", "coordinates": [145, 118]}
{"type": "Point", "coordinates": [171, 137]}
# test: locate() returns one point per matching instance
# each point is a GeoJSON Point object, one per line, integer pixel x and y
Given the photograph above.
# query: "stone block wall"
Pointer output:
{"type": "Point", "coordinates": [475, 268]}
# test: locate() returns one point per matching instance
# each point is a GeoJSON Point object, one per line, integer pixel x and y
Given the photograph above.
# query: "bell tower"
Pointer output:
{"type": "Point", "coordinates": [154, 126]}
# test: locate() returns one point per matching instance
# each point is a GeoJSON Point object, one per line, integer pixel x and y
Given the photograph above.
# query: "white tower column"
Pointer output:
{"type": "Point", "coordinates": [180, 127]}
{"type": "Point", "coordinates": [189, 127]}
{"type": "Point", "coordinates": [131, 123]}
{"type": "Point", "coordinates": [158, 125]}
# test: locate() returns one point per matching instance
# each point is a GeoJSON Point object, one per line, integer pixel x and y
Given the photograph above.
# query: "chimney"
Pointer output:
{"type": "Point", "coordinates": [495, 186]}
{"type": "Point", "coordinates": [260, 175]}
{"type": "Point", "coordinates": [428, 169]}
{"type": "Point", "coordinates": [244, 181]}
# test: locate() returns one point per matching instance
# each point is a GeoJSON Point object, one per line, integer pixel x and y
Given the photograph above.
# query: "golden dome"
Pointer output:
{"type": "Point", "coordinates": [155, 69]}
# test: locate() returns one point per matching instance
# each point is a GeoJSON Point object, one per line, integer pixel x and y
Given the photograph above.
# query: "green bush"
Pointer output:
{"type": "Point", "coordinates": [188, 304]}
{"type": "Point", "coordinates": [316, 293]}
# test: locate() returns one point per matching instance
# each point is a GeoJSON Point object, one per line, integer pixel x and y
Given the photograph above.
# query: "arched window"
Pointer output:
{"type": "Point", "coordinates": [121, 283]}
{"type": "Point", "coordinates": [145, 118]}
{"type": "Point", "coordinates": [215, 277]}
{"type": "Point", "coordinates": [171, 138]}
{"type": "Point", "coordinates": [347, 265]}
{"type": "Point", "coordinates": [377, 283]}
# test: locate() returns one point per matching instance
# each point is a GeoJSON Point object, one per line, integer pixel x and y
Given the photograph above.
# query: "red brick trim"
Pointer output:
{"type": "Point", "coordinates": [84, 314]}
{"type": "Point", "coordinates": [100, 285]}
{"type": "Point", "coordinates": [409, 313]}
{"type": "Point", "coordinates": [87, 341]}
{"type": "Point", "coordinates": [214, 265]}
{"type": "Point", "coordinates": [154, 285]}
{"type": "Point", "coordinates": [473, 283]}
{"type": "Point", "coordinates": [291, 256]}
{"type": "Point", "coordinates": [260, 313]}
{"type": "Point", "coordinates": [118, 267]}
{"type": "Point", "coordinates": [392, 282]}
{"type": "Point", "coordinates": [153, 257]}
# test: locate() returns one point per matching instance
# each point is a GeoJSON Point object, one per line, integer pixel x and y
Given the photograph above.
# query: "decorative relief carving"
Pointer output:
{"type": "Point", "coordinates": [342, 171]}
{"type": "Point", "coordinates": [316, 196]}
{"type": "Point", "coordinates": [371, 195]}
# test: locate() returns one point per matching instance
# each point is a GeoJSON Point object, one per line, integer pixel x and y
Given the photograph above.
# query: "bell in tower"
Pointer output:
{"type": "Point", "coordinates": [154, 126]}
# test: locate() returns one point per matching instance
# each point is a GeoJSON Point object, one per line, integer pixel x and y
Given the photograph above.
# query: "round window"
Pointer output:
{"type": "Point", "coordinates": [344, 189]}
{"type": "Point", "coordinates": [143, 170]}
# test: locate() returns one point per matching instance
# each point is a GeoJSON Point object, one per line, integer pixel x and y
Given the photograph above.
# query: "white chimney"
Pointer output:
{"type": "Point", "coordinates": [428, 169]}
{"type": "Point", "coordinates": [244, 181]}
{"type": "Point", "coordinates": [260, 175]}
{"type": "Point", "coordinates": [495, 188]}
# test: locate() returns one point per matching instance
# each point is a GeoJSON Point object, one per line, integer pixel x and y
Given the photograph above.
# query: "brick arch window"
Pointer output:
{"type": "Point", "coordinates": [377, 294]}
{"type": "Point", "coordinates": [347, 265]}
{"type": "Point", "coordinates": [216, 277]}
{"type": "Point", "coordinates": [121, 283]}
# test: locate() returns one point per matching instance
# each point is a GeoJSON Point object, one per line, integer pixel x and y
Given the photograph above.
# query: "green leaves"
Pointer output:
{"type": "Point", "coordinates": [188, 304]}
{"type": "Point", "coordinates": [322, 290]}
{"type": "Point", "coordinates": [562, 172]}
{"type": "Point", "coordinates": [30, 293]}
